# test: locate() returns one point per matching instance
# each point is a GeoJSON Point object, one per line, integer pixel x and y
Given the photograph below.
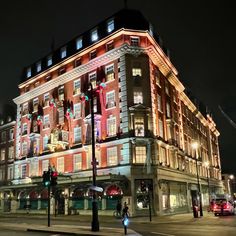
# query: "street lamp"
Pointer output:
{"type": "Point", "coordinates": [195, 146]}
{"type": "Point", "coordinates": [231, 177]}
{"type": "Point", "coordinates": [207, 165]}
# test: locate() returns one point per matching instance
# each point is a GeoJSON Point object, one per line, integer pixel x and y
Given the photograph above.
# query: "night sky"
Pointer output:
{"type": "Point", "coordinates": [200, 35]}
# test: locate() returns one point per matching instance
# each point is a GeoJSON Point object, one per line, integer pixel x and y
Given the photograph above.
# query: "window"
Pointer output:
{"type": "Point", "coordinates": [35, 104]}
{"type": "Point", "coordinates": [23, 171]}
{"type": "Point", "coordinates": [78, 62]}
{"type": "Point", "coordinates": [92, 79]}
{"type": "Point", "coordinates": [24, 129]}
{"type": "Point", "coordinates": [77, 87]}
{"type": "Point", "coordinates": [77, 135]}
{"type": "Point", "coordinates": [168, 114]}
{"type": "Point", "coordinates": [27, 88]}
{"type": "Point", "coordinates": [24, 149]}
{"type": "Point", "coordinates": [25, 109]}
{"type": "Point", "coordinates": [45, 142]}
{"type": "Point", "coordinates": [138, 97]}
{"type": "Point", "coordinates": [63, 52]}
{"type": "Point", "coordinates": [61, 93]}
{"type": "Point", "coordinates": [111, 126]}
{"type": "Point", "coordinates": [79, 43]}
{"type": "Point", "coordinates": [48, 77]}
{"type": "Point", "coordinates": [157, 77]}
{"type": "Point", "coordinates": [46, 99]}
{"type": "Point", "coordinates": [136, 72]}
{"type": "Point", "coordinates": [38, 66]}
{"type": "Point", "coordinates": [11, 152]}
{"type": "Point", "coordinates": [139, 126]}
{"type": "Point", "coordinates": [10, 173]}
{"type": "Point", "coordinates": [167, 88]}
{"type": "Point", "coordinates": [62, 70]}
{"type": "Point", "coordinates": [49, 60]}
{"type": "Point", "coordinates": [3, 153]}
{"type": "Point", "coordinates": [46, 122]}
{"type": "Point", "coordinates": [161, 128]}
{"type": "Point", "coordinates": [159, 103]}
{"type": "Point", "coordinates": [110, 99]}
{"type": "Point", "coordinates": [45, 164]}
{"type": "Point", "coordinates": [77, 110]}
{"type": "Point", "coordinates": [93, 54]}
{"type": "Point", "coordinates": [151, 29]}
{"type": "Point", "coordinates": [94, 35]}
{"type": "Point", "coordinates": [134, 41]}
{"type": "Point", "coordinates": [3, 136]}
{"type": "Point", "coordinates": [110, 46]}
{"type": "Point", "coordinates": [163, 157]}
{"type": "Point", "coordinates": [28, 72]}
{"type": "Point", "coordinates": [60, 111]}
{"type": "Point", "coordinates": [11, 134]}
{"type": "Point", "coordinates": [110, 25]}
{"type": "Point", "coordinates": [77, 162]}
{"type": "Point", "coordinates": [140, 154]}
{"type": "Point", "coordinates": [60, 164]}
{"type": "Point", "coordinates": [34, 167]}
{"type": "Point", "coordinates": [109, 70]}
{"type": "Point", "coordinates": [112, 157]}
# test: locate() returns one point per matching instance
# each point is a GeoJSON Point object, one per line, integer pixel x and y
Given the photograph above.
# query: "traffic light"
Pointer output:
{"type": "Point", "coordinates": [46, 178]}
{"type": "Point", "coordinates": [54, 175]}
{"type": "Point", "coordinates": [143, 186]}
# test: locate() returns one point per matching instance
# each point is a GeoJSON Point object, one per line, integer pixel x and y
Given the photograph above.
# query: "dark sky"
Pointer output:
{"type": "Point", "coordinates": [200, 35]}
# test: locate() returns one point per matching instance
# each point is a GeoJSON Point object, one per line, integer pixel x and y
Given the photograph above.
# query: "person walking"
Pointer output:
{"type": "Point", "coordinates": [118, 208]}
{"type": "Point", "coordinates": [125, 210]}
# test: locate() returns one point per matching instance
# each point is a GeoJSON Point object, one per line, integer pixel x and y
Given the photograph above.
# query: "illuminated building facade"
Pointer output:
{"type": "Point", "coordinates": [144, 126]}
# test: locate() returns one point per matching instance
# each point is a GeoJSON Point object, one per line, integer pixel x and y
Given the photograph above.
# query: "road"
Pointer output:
{"type": "Point", "coordinates": [179, 225]}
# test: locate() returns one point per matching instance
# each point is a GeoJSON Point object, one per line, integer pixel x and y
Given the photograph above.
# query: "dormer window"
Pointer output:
{"type": "Point", "coordinates": [28, 72]}
{"type": "Point", "coordinates": [49, 60]}
{"type": "Point", "coordinates": [94, 35]}
{"type": "Point", "coordinates": [93, 54]}
{"type": "Point", "coordinates": [136, 72]}
{"type": "Point", "coordinates": [63, 52]}
{"type": "Point", "coordinates": [134, 41]}
{"type": "Point", "coordinates": [79, 43]}
{"type": "Point", "coordinates": [110, 26]}
{"type": "Point", "coordinates": [39, 66]}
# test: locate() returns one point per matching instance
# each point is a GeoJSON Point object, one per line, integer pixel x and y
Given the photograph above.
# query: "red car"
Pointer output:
{"type": "Point", "coordinates": [223, 207]}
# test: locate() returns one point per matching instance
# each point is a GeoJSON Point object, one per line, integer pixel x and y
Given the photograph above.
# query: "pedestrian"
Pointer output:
{"type": "Point", "coordinates": [125, 210]}
{"type": "Point", "coordinates": [118, 208]}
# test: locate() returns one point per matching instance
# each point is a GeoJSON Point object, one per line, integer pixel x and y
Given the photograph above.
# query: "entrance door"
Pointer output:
{"type": "Point", "coordinates": [194, 197]}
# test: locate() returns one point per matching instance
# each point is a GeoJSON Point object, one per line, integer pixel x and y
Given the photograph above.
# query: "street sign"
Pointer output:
{"type": "Point", "coordinates": [96, 188]}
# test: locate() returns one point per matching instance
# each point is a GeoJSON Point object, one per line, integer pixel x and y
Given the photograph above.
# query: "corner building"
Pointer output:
{"type": "Point", "coordinates": [144, 126]}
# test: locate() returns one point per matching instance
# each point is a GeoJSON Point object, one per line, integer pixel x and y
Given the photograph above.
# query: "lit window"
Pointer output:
{"type": "Point", "coordinates": [10, 173]}
{"type": "Point", "coordinates": [111, 126]}
{"type": "Point", "coordinates": [24, 148]}
{"type": "Point", "coordinates": [63, 52]}
{"type": "Point", "coordinates": [138, 97]}
{"type": "Point", "coordinates": [24, 129]}
{"type": "Point", "coordinates": [45, 142]}
{"type": "Point", "coordinates": [109, 70]}
{"type": "Point", "coordinates": [92, 79]}
{"type": "Point", "coordinates": [61, 93]}
{"type": "Point", "coordinates": [45, 165]}
{"type": "Point", "coordinates": [77, 162]}
{"type": "Point", "coordinates": [161, 128]}
{"type": "Point", "coordinates": [77, 87]}
{"type": "Point", "coordinates": [46, 122]}
{"type": "Point", "coordinates": [28, 72]}
{"type": "Point", "coordinates": [60, 164]}
{"type": "Point", "coordinates": [140, 154]}
{"type": "Point", "coordinates": [112, 157]}
{"type": "Point", "coordinates": [34, 167]}
{"type": "Point", "coordinates": [46, 99]}
{"type": "Point", "coordinates": [136, 72]}
{"type": "Point", "coordinates": [110, 26]}
{"type": "Point", "coordinates": [3, 153]}
{"type": "Point", "coordinates": [60, 111]}
{"type": "Point", "coordinates": [23, 171]}
{"type": "Point", "coordinates": [168, 114]}
{"type": "Point", "coordinates": [35, 104]}
{"type": "Point", "coordinates": [25, 109]}
{"type": "Point", "coordinates": [159, 103]}
{"type": "Point", "coordinates": [94, 35]}
{"type": "Point", "coordinates": [49, 60]}
{"type": "Point", "coordinates": [110, 99]}
{"type": "Point", "coordinates": [77, 110]}
{"type": "Point", "coordinates": [77, 135]}
{"type": "Point", "coordinates": [79, 43]}
{"type": "Point", "coordinates": [11, 152]}
{"type": "Point", "coordinates": [39, 66]}
{"type": "Point", "coordinates": [11, 134]}
{"type": "Point", "coordinates": [139, 126]}
{"type": "Point", "coordinates": [134, 41]}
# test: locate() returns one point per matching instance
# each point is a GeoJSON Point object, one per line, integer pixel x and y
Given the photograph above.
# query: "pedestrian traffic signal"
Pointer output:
{"type": "Point", "coordinates": [143, 186]}
{"type": "Point", "coordinates": [46, 178]}
{"type": "Point", "coordinates": [54, 175]}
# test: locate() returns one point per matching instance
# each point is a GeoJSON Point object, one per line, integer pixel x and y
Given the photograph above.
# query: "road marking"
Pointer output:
{"type": "Point", "coordinates": [162, 234]}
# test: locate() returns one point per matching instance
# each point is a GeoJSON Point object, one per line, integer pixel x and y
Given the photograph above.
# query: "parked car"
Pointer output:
{"type": "Point", "coordinates": [223, 207]}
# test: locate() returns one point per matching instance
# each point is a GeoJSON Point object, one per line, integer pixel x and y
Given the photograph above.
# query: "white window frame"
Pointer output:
{"type": "Point", "coordinates": [140, 154]}
{"type": "Point", "coordinates": [111, 126]}
{"type": "Point", "coordinates": [11, 152]}
{"type": "Point", "coordinates": [136, 71]}
{"type": "Point", "coordinates": [10, 172]}
{"type": "Point", "coordinates": [3, 154]}
{"type": "Point", "coordinates": [45, 142]}
{"type": "Point", "coordinates": [61, 96]}
{"type": "Point", "coordinates": [24, 149]}
{"type": "Point", "coordinates": [161, 127]}
{"type": "Point", "coordinates": [168, 110]}
{"type": "Point", "coordinates": [94, 35]}
{"type": "Point", "coordinates": [45, 164]}
{"type": "Point", "coordinates": [25, 108]}
{"type": "Point", "coordinates": [139, 126]}
{"type": "Point", "coordinates": [60, 165]}
{"type": "Point", "coordinates": [46, 99]}
{"type": "Point", "coordinates": [24, 128]}
{"type": "Point", "coordinates": [112, 156]}
{"type": "Point", "coordinates": [138, 97]}
{"type": "Point", "coordinates": [35, 104]}
{"type": "Point", "coordinates": [46, 122]}
{"type": "Point", "coordinates": [159, 103]}
{"type": "Point", "coordinates": [3, 136]}
{"type": "Point", "coordinates": [93, 79]}
{"type": "Point", "coordinates": [77, 110]}
{"type": "Point", "coordinates": [34, 167]}
{"type": "Point", "coordinates": [79, 43]}
{"type": "Point", "coordinates": [110, 99]}
{"type": "Point", "coordinates": [109, 71]}
{"type": "Point", "coordinates": [77, 162]}
{"type": "Point", "coordinates": [63, 52]}
{"type": "Point", "coordinates": [110, 25]}
{"type": "Point", "coordinates": [23, 175]}
{"type": "Point", "coordinates": [76, 133]}
{"type": "Point", "coordinates": [39, 66]}
{"type": "Point", "coordinates": [77, 86]}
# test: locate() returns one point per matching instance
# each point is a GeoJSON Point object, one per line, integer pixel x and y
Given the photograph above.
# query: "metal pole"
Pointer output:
{"type": "Point", "coordinates": [49, 196]}
{"type": "Point", "coordinates": [150, 210]}
{"type": "Point", "coordinates": [95, 222]}
{"type": "Point", "coordinates": [208, 182]}
{"type": "Point", "coordinates": [199, 188]}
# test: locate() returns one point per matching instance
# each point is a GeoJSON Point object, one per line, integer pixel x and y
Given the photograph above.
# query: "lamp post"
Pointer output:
{"type": "Point", "coordinates": [207, 165]}
{"type": "Point", "coordinates": [231, 177]}
{"type": "Point", "coordinates": [195, 146]}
